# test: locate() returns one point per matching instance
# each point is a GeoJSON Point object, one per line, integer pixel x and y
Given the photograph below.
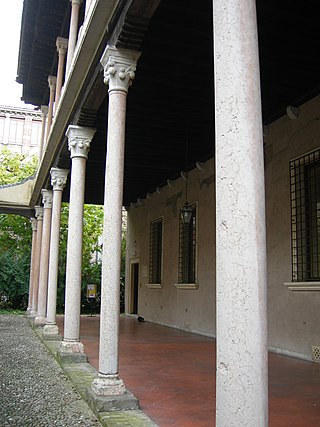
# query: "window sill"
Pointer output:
{"type": "Point", "coordinates": [154, 285]}
{"type": "Point", "coordinates": [193, 286]}
{"type": "Point", "coordinates": [303, 286]}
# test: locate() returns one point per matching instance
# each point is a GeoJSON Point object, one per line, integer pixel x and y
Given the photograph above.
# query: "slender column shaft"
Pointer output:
{"type": "Point", "coordinates": [62, 45]}
{"type": "Point", "coordinates": [32, 262]}
{"type": "Point", "coordinates": [79, 144]}
{"type": "Point", "coordinates": [119, 68]}
{"type": "Point", "coordinates": [52, 87]}
{"type": "Point", "coordinates": [73, 32]}
{"type": "Point", "coordinates": [44, 110]}
{"type": "Point", "coordinates": [39, 216]}
{"type": "Point", "coordinates": [111, 255]}
{"type": "Point", "coordinates": [58, 181]}
{"type": "Point", "coordinates": [74, 250]}
{"type": "Point", "coordinates": [242, 390]}
{"type": "Point", "coordinates": [44, 257]}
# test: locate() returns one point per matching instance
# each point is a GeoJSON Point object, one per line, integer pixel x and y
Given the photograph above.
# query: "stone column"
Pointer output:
{"type": "Point", "coordinates": [32, 262]}
{"type": "Point", "coordinates": [79, 145]}
{"type": "Point", "coordinates": [44, 257]}
{"type": "Point", "coordinates": [58, 182]}
{"type": "Point", "coordinates": [44, 111]}
{"type": "Point", "coordinates": [52, 80]}
{"type": "Point", "coordinates": [88, 4]}
{"type": "Point", "coordinates": [242, 387]}
{"type": "Point", "coordinates": [62, 45]}
{"type": "Point", "coordinates": [39, 216]}
{"type": "Point", "coordinates": [73, 32]}
{"type": "Point", "coordinates": [119, 71]}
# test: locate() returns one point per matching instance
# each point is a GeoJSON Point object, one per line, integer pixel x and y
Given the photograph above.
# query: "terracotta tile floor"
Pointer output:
{"type": "Point", "coordinates": [172, 373]}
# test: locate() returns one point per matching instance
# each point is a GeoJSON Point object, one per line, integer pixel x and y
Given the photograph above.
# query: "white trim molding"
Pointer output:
{"type": "Point", "coordinates": [303, 286]}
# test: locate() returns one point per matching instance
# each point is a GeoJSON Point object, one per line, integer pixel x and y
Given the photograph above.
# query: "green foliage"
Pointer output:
{"type": "Point", "coordinates": [15, 235]}
{"type": "Point", "coordinates": [14, 279]}
{"type": "Point", "coordinates": [15, 167]}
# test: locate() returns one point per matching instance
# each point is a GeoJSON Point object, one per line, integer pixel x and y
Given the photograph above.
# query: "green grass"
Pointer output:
{"type": "Point", "coordinates": [12, 311]}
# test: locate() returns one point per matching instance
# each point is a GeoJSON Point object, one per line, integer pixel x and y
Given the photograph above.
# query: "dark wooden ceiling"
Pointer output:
{"type": "Point", "coordinates": [170, 114]}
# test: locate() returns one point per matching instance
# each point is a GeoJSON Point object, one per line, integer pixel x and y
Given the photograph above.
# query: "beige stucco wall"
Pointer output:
{"type": "Point", "coordinates": [192, 310]}
{"type": "Point", "coordinates": [293, 316]}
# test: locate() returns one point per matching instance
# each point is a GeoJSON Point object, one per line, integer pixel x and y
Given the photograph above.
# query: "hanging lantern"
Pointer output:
{"type": "Point", "coordinates": [186, 214]}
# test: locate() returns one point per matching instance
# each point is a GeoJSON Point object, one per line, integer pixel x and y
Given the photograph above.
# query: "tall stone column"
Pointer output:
{"type": "Point", "coordinates": [79, 145]}
{"type": "Point", "coordinates": [32, 262]}
{"type": "Point", "coordinates": [73, 31]}
{"type": "Point", "coordinates": [119, 71]}
{"type": "Point", "coordinates": [242, 387]}
{"type": "Point", "coordinates": [39, 216]}
{"type": "Point", "coordinates": [62, 45]}
{"type": "Point", "coordinates": [58, 182]}
{"type": "Point", "coordinates": [44, 257]}
{"type": "Point", "coordinates": [88, 5]}
{"type": "Point", "coordinates": [44, 111]}
{"type": "Point", "coordinates": [52, 80]}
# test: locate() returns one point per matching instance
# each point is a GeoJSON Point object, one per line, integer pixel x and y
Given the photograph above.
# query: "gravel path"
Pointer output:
{"type": "Point", "coordinates": [33, 389]}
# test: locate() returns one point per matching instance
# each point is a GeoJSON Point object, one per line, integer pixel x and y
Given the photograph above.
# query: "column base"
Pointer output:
{"type": "Point", "coordinates": [32, 313]}
{"type": "Point", "coordinates": [51, 332]}
{"type": "Point", "coordinates": [71, 352]}
{"type": "Point", "coordinates": [106, 385]}
{"type": "Point", "coordinates": [108, 393]}
{"type": "Point", "coordinates": [40, 321]}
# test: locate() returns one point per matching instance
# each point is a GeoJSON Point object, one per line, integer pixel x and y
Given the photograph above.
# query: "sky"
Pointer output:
{"type": "Point", "coordinates": [10, 23]}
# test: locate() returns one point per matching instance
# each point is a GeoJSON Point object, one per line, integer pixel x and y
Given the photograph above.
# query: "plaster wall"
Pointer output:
{"type": "Point", "coordinates": [187, 309]}
{"type": "Point", "coordinates": [293, 316]}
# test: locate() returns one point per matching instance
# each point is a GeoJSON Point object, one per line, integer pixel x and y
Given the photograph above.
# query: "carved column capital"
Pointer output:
{"type": "Point", "coordinates": [119, 67]}
{"type": "Point", "coordinates": [46, 198]}
{"type": "Point", "coordinates": [62, 45]}
{"type": "Point", "coordinates": [78, 2]}
{"type": "Point", "coordinates": [52, 81]}
{"type": "Point", "coordinates": [79, 139]}
{"type": "Point", "coordinates": [58, 178]}
{"type": "Point", "coordinates": [39, 213]}
{"type": "Point", "coordinates": [33, 224]}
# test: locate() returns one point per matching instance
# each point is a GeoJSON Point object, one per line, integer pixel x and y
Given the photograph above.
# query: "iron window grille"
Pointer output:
{"type": "Point", "coordinates": [188, 248]}
{"type": "Point", "coordinates": [305, 217]}
{"type": "Point", "coordinates": [155, 253]}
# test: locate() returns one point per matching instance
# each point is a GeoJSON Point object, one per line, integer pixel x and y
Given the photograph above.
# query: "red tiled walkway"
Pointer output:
{"type": "Point", "coordinates": [172, 373]}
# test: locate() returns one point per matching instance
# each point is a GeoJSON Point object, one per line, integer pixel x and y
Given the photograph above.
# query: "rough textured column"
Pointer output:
{"type": "Point", "coordinates": [242, 388]}
{"type": "Point", "coordinates": [39, 216]}
{"type": "Point", "coordinates": [52, 86]}
{"type": "Point", "coordinates": [79, 145]}
{"type": "Point", "coordinates": [73, 31]}
{"type": "Point", "coordinates": [62, 45]}
{"type": "Point", "coordinates": [44, 111]}
{"type": "Point", "coordinates": [44, 258]}
{"type": "Point", "coordinates": [58, 182]}
{"type": "Point", "coordinates": [119, 71]}
{"type": "Point", "coordinates": [32, 261]}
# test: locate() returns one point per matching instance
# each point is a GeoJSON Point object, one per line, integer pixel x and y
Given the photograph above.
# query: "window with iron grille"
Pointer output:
{"type": "Point", "coordinates": [188, 248]}
{"type": "Point", "coordinates": [155, 254]}
{"type": "Point", "coordinates": [305, 217]}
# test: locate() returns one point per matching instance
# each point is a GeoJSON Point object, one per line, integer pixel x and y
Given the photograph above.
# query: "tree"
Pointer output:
{"type": "Point", "coordinates": [15, 235]}
{"type": "Point", "coordinates": [16, 167]}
